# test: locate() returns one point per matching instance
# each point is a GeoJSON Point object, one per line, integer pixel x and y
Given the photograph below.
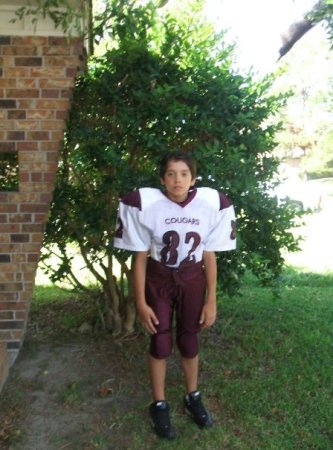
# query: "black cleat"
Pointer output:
{"type": "Point", "coordinates": [159, 414]}
{"type": "Point", "coordinates": [196, 409]}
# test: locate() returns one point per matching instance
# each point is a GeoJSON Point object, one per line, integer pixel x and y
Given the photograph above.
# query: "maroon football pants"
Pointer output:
{"type": "Point", "coordinates": [179, 292]}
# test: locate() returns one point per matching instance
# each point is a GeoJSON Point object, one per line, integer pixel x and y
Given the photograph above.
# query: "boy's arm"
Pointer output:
{"type": "Point", "coordinates": [146, 314]}
{"type": "Point", "coordinates": [208, 314]}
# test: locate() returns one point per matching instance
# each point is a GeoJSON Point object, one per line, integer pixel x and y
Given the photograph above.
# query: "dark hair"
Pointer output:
{"type": "Point", "coordinates": [178, 156]}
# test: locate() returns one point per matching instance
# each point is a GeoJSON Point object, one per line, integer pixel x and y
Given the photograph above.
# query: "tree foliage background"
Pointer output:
{"type": "Point", "coordinates": [165, 82]}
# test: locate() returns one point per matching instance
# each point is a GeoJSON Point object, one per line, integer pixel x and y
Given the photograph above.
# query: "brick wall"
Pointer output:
{"type": "Point", "coordinates": [37, 75]}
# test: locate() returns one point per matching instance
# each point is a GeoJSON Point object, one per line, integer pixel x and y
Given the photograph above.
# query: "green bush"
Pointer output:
{"type": "Point", "coordinates": [166, 83]}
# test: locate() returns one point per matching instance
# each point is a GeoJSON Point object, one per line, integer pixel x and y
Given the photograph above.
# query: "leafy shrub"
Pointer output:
{"type": "Point", "coordinates": [165, 84]}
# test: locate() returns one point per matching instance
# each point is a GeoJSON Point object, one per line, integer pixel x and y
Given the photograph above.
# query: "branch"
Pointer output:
{"type": "Point", "coordinates": [298, 29]}
{"type": "Point", "coordinates": [294, 34]}
{"type": "Point", "coordinates": [61, 12]}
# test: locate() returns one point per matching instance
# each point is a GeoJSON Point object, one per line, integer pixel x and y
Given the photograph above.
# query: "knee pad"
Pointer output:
{"type": "Point", "coordinates": [161, 345]}
{"type": "Point", "coordinates": [188, 344]}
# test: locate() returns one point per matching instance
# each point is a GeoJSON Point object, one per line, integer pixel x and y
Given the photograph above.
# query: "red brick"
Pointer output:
{"type": "Point", "coordinates": [20, 238]}
{"type": "Point", "coordinates": [20, 51]}
{"type": "Point", "coordinates": [30, 40]}
{"type": "Point", "coordinates": [52, 125]}
{"type": "Point", "coordinates": [55, 40]}
{"type": "Point", "coordinates": [18, 276]}
{"type": "Point", "coordinates": [57, 136]}
{"type": "Point", "coordinates": [7, 277]}
{"type": "Point", "coordinates": [4, 238]}
{"type": "Point", "coordinates": [26, 103]}
{"type": "Point", "coordinates": [7, 300]}
{"type": "Point", "coordinates": [24, 177]}
{"type": "Point", "coordinates": [7, 315]}
{"type": "Point", "coordinates": [27, 125]}
{"type": "Point", "coordinates": [30, 276]}
{"type": "Point", "coordinates": [4, 366]}
{"type": "Point", "coordinates": [33, 257]}
{"type": "Point", "coordinates": [49, 176]}
{"type": "Point", "coordinates": [67, 93]}
{"type": "Point", "coordinates": [8, 248]}
{"type": "Point", "coordinates": [40, 114]}
{"type": "Point", "coordinates": [28, 61]}
{"type": "Point", "coordinates": [19, 257]}
{"type": "Point", "coordinates": [20, 218]}
{"type": "Point", "coordinates": [37, 187]}
{"type": "Point", "coordinates": [17, 114]}
{"type": "Point", "coordinates": [37, 237]}
{"type": "Point", "coordinates": [26, 145]}
{"type": "Point", "coordinates": [62, 61]}
{"type": "Point", "coordinates": [8, 103]}
{"type": "Point", "coordinates": [24, 197]}
{"type": "Point", "coordinates": [52, 145]}
{"type": "Point", "coordinates": [32, 228]}
{"type": "Point", "coordinates": [50, 93]}
{"type": "Point", "coordinates": [71, 72]}
{"type": "Point", "coordinates": [8, 82]}
{"type": "Point", "coordinates": [32, 247]}
{"type": "Point", "coordinates": [62, 115]}
{"type": "Point", "coordinates": [52, 104]}
{"type": "Point", "coordinates": [23, 93]}
{"type": "Point", "coordinates": [8, 207]}
{"type": "Point", "coordinates": [8, 125]}
{"type": "Point", "coordinates": [20, 315]}
{"type": "Point", "coordinates": [9, 228]}
{"type": "Point", "coordinates": [11, 325]}
{"type": "Point", "coordinates": [48, 72]}
{"type": "Point", "coordinates": [11, 287]}
{"type": "Point", "coordinates": [33, 208]}
{"type": "Point", "coordinates": [59, 50]}
{"type": "Point", "coordinates": [27, 83]}
{"type": "Point", "coordinates": [41, 218]}
{"type": "Point", "coordinates": [10, 335]}
{"type": "Point", "coordinates": [16, 135]}
{"type": "Point", "coordinates": [7, 147]}
{"type": "Point", "coordinates": [36, 177]}
{"type": "Point", "coordinates": [38, 136]}
{"type": "Point", "coordinates": [17, 72]}
{"type": "Point", "coordinates": [59, 83]}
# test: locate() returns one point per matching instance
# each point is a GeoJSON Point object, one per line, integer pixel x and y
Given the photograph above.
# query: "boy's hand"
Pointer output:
{"type": "Point", "coordinates": [208, 315]}
{"type": "Point", "coordinates": [147, 318]}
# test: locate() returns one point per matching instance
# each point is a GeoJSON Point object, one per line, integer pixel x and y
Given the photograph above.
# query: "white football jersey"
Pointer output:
{"type": "Point", "coordinates": [176, 233]}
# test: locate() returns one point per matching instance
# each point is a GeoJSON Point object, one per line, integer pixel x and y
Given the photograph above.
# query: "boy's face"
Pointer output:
{"type": "Point", "coordinates": [177, 180]}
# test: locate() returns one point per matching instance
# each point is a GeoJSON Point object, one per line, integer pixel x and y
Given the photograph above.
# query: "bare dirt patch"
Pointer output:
{"type": "Point", "coordinates": [71, 391]}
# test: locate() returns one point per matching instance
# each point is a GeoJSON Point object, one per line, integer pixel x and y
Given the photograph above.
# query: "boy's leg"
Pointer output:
{"type": "Point", "coordinates": [193, 402]}
{"type": "Point", "coordinates": [157, 372]}
{"type": "Point", "coordinates": [159, 409]}
{"type": "Point", "coordinates": [190, 368]}
{"type": "Point", "coordinates": [188, 328]}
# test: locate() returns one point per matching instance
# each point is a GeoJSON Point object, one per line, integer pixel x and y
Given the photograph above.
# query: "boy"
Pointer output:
{"type": "Point", "coordinates": [175, 234]}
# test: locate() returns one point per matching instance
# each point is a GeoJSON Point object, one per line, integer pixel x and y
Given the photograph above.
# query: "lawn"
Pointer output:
{"type": "Point", "coordinates": [266, 374]}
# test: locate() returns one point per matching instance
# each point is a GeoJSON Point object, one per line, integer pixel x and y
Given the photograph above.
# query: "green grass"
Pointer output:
{"type": "Point", "coordinates": [61, 309]}
{"type": "Point", "coordinates": [266, 374]}
{"type": "Point", "coordinates": [50, 293]}
{"type": "Point", "coordinates": [275, 376]}
{"type": "Point", "coordinates": [72, 395]}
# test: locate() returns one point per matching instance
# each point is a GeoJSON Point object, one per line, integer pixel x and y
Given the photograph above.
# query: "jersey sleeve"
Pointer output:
{"type": "Point", "coordinates": [222, 236]}
{"type": "Point", "coordinates": [130, 233]}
